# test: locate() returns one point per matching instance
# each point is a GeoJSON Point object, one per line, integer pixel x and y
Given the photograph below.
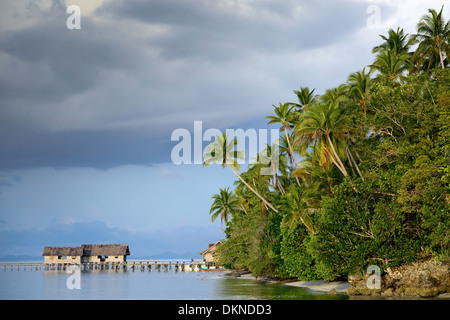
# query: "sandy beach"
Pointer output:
{"type": "Point", "coordinates": [340, 287]}
{"type": "Point", "coordinates": [322, 286]}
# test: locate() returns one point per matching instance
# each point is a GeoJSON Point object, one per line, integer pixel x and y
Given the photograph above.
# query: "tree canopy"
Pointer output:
{"type": "Point", "coordinates": [364, 170]}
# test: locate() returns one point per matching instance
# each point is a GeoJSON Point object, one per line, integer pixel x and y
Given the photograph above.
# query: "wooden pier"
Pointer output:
{"type": "Point", "coordinates": [141, 265]}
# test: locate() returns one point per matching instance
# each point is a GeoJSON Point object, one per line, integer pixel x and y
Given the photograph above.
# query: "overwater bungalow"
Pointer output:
{"type": "Point", "coordinates": [105, 252]}
{"type": "Point", "coordinates": [86, 253]}
{"type": "Point", "coordinates": [56, 255]}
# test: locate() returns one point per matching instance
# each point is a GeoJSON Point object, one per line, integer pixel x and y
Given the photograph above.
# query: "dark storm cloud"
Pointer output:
{"type": "Point", "coordinates": [106, 94]}
{"type": "Point", "coordinates": [47, 62]}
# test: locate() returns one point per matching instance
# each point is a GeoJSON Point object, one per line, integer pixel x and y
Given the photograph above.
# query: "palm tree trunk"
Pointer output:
{"type": "Point", "coordinates": [290, 147]}
{"type": "Point", "coordinates": [349, 161]}
{"type": "Point", "coordinates": [310, 228]}
{"type": "Point", "coordinates": [442, 60]}
{"type": "Point", "coordinates": [243, 209]}
{"type": "Point", "coordinates": [253, 190]}
{"type": "Point", "coordinates": [354, 163]}
{"type": "Point", "coordinates": [277, 181]}
{"type": "Point", "coordinates": [292, 155]}
{"type": "Point", "coordinates": [340, 165]}
{"type": "Point", "coordinates": [281, 188]}
{"type": "Point", "coordinates": [292, 164]}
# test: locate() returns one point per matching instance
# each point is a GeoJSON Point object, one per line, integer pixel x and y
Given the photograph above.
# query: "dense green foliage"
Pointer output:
{"type": "Point", "coordinates": [364, 171]}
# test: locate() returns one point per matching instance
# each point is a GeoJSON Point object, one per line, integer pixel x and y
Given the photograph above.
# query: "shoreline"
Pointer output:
{"type": "Point", "coordinates": [331, 287]}
{"type": "Point", "coordinates": [322, 286]}
{"type": "Point", "coordinates": [341, 287]}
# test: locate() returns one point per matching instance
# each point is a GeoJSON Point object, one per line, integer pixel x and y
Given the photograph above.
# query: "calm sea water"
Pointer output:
{"type": "Point", "coordinates": [137, 285]}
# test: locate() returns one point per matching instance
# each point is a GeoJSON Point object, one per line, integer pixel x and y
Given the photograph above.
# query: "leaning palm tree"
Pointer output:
{"type": "Point", "coordinates": [259, 182]}
{"type": "Point", "coordinates": [221, 151]}
{"type": "Point", "coordinates": [225, 205]}
{"type": "Point", "coordinates": [285, 148]}
{"type": "Point", "coordinates": [284, 114]}
{"type": "Point", "coordinates": [433, 35]}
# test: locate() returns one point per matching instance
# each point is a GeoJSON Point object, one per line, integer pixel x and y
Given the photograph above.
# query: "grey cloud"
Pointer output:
{"type": "Point", "coordinates": [48, 62]}
{"type": "Point", "coordinates": [205, 28]}
{"type": "Point", "coordinates": [73, 97]}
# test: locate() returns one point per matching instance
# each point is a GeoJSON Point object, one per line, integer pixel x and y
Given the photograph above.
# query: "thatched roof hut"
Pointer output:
{"type": "Point", "coordinates": [106, 250]}
{"type": "Point", "coordinates": [209, 254]}
{"type": "Point", "coordinates": [87, 253]}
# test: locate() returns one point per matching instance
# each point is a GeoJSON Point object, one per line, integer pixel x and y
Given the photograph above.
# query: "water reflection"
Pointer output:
{"type": "Point", "coordinates": [247, 289]}
{"type": "Point", "coordinates": [167, 285]}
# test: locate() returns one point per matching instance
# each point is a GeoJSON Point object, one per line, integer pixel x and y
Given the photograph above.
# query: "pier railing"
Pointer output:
{"type": "Point", "coordinates": [142, 265]}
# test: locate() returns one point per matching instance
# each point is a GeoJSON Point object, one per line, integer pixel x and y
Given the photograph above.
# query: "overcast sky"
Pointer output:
{"type": "Point", "coordinates": [86, 115]}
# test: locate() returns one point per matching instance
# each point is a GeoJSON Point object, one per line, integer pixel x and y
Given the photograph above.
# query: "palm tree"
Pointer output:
{"type": "Point", "coordinates": [392, 56]}
{"type": "Point", "coordinates": [321, 178]}
{"type": "Point", "coordinates": [297, 208]}
{"type": "Point", "coordinates": [325, 127]}
{"type": "Point", "coordinates": [244, 204]}
{"type": "Point", "coordinates": [335, 95]}
{"type": "Point", "coordinates": [258, 181]}
{"type": "Point", "coordinates": [224, 152]}
{"type": "Point", "coordinates": [280, 165]}
{"type": "Point", "coordinates": [284, 114]}
{"type": "Point", "coordinates": [396, 41]}
{"type": "Point", "coordinates": [225, 204]}
{"type": "Point", "coordinates": [286, 151]}
{"type": "Point", "coordinates": [306, 97]}
{"type": "Point", "coordinates": [422, 62]}
{"type": "Point", "coordinates": [359, 85]}
{"type": "Point", "coordinates": [390, 64]}
{"type": "Point", "coordinates": [285, 148]}
{"type": "Point", "coordinates": [433, 34]}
